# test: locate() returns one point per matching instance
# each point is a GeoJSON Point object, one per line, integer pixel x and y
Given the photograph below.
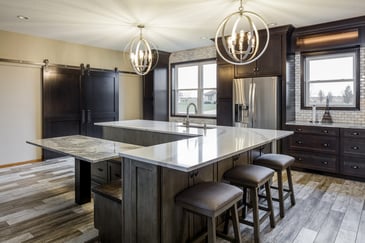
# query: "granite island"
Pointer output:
{"type": "Point", "coordinates": [174, 158]}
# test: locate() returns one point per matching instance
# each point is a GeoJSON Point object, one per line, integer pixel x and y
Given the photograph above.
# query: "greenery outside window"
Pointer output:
{"type": "Point", "coordinates": [194, 82]}
{"type": "Point", "coordinates": [332, 75]}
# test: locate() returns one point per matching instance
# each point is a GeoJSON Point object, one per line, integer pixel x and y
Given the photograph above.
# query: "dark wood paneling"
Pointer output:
{"type": "Point", "coordinates": [328, 131]}
{"type": "Point", "coordinates": [225, 75]}
{"type": "Point", "coordinates": [224, 112]}
{"type": "Point", "coordinates": [353, 166]}
{"type": "Point", "coordinates": [315, 161]}
{"type": "Point", "coordinates": [82, 181]}
{"type": "Point", "coordinates": [323, 144]}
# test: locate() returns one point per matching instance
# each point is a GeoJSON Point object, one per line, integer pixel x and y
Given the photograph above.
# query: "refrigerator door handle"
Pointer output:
{"type": "Point", "coordinates": [253, 102]}
{"type": "Point", "coordinates": [249, 105]}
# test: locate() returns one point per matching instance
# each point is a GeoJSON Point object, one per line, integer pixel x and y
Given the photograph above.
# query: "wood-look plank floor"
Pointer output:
{"type": "Point", "coordinates": [37, 205]}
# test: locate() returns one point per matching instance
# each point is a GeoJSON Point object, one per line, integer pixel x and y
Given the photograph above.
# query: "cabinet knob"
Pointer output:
{"type": "Point", "coordinates": [326, 145]}
{"type": "Point", "coordinates": [325, 162]}
{"type": "Point", "coordinates": [300, 159]}
{"type": "Point", "coordinates": [325, 131]}
{"type": "Point", "coordinates": [355, 167]}
{"type": "Point", "coordinates": [355, 133]}
{"type": "Point", "coordinates": [355, 148]}
{"type": "Point", "coordinates": [299, 142]}
{"type": "Point", "coordinates": [298, 129]}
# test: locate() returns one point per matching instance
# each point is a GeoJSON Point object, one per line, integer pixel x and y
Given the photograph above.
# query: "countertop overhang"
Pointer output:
{"type": "Point", "coordinates": [206, 146]}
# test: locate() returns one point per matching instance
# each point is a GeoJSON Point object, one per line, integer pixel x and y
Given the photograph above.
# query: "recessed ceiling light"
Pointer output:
{"type": "Point", "coordinates": [22, 17]}
{"type": "Point", "coordinates": [203, 38]}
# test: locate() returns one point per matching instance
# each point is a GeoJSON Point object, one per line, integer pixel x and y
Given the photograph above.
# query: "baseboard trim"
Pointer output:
{"type": "Point", "coordinates": [21, 163]}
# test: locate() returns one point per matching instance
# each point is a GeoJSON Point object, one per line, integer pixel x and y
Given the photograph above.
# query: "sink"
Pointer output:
{"type": "Point", "coordinates": [197, 125]}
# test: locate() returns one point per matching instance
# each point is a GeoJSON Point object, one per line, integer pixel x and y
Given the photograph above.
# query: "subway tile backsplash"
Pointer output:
{"type": "Point", "coordinates": [357, 117]}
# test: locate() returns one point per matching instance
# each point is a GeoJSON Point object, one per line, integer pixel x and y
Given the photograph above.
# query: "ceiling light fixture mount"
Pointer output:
{"type": "Point", "coordinates": [241, 45]}
{"type": "Point", "coordinates": [140, 53]}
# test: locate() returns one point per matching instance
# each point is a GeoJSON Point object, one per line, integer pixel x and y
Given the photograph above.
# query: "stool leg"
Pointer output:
{"type": "Point", "coordinates": [280, 191]}
{"type": "Point", "coordinates": [184, 227]}
{"type": "Point", "coordinates": [291, 188]}
{"type": "Point", "coordinates": [255, 211]}
{"type": "Point", "coordinates": [236, 225]}
{"type": "Point", "coordinates": [269, 204]}
{"type": "Point", "coordinates": [244, 201]}
{"type": "Point", "coordinates": [226, 222]}
{"type": "Point", "coordinates": [211, 230]}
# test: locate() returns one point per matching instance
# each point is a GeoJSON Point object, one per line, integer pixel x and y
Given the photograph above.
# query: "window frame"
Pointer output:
{"type": "Point", "coordinates": [304, 71]}
{"type": "Point", "coordinates": [200, 89]}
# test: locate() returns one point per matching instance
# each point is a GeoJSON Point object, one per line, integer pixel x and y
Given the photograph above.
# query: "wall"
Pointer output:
{"type": "Point", "coordinates": [20, 88]}
{"type": "Point", "coordinates": [208, 52]}
{"type": "Point", "coordinates": [357, 117]}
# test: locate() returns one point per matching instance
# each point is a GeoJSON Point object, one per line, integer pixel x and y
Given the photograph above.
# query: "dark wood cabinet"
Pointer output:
{"type": "Point", "coordinates": [353, 152]}
{"type": "Point", "coordinates": [74, 99]}
{"type": "Point", "coordinates": [155, 90]}
{"type": "Point", "coordinates": [225, 75]}
{"type": "Point", "coordinates": [314, 148]}
{"type": "Point", "coordinates": [269, 64]}
{"type": "Point", "coordinates": [105, 172]}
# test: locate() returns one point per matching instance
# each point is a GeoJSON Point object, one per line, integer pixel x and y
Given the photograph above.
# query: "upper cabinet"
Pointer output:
{"type": "Point", "coordinates": [269, 64]}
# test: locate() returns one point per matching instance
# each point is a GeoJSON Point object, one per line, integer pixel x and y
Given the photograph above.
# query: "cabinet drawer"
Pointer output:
{"type": "Point", "coordinates": [315, 130]}
{"type": "Point", "coordinates": [115, 170]}
{"type": "Point", "coordinates": [353, 133]}
{"type": "Point", "coordinates": [314, 143]}
{"type": "Point", "coordinates": [353, 146]}
{"type": "Point", "coordinates": [353, 166]}
{"type": "Point", "coordinates": [99, 172]}
{"type": "Point", "coordinates": [327, 163]}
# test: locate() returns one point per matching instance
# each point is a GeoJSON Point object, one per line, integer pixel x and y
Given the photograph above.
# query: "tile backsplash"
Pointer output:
{"type": "Point", "coordinates": [357, 117]}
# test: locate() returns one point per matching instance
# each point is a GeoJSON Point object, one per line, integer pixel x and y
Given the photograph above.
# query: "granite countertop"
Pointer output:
{"type": "Point", "coordinates": [334, 125]}
{"type": "Point", "coordinates": [84, 148]}
{"type": "Point", "coordinates": [205, 147]}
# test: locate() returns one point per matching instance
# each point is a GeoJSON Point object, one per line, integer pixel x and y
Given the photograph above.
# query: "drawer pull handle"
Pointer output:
{"type": "Point", "coordinates": [325, 131]}
{"type": "Point", "coordinates": [355, 133]}
{"type": "Point", "coordinates": [326, 145]}
{"type": "Point", "coordinates": [299, 142]}
{"type": "Point", "coordinates": [355, 148]}
{"type": "Point", "coordinates": [300, 159]}
{"type": "Point", "coordinates": [298, 129]}
{"type": "Point", "coordinates": [355, 167]}
{"type": "Point", "coordinates": [99, 169]}
{"type": "Point", "coordinates": [325, 162]}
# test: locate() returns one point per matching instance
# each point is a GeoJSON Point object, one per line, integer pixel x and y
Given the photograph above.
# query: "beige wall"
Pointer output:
{"type": "Point", "coordinates": [20, 88]}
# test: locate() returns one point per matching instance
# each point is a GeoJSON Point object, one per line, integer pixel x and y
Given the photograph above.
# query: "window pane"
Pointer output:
{"type": "Point", "coordinates": [209, 102]}
{"type": "Point", "coordinates": [339, 93]}
{"type": "Point", "coordinates": [209, 76]}
{"type": "Point", "coordinates": [183, 99]}
{"type": "Point", "coordinates": [331, 68]}
{"type": "Point", "coordinates": [187, 77]}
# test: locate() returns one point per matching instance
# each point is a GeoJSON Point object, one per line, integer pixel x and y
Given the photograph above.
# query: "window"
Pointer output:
{"type": "Point", "coordinates": [196, 83]}
{"type": "Point", "coordinates": [332, 76]}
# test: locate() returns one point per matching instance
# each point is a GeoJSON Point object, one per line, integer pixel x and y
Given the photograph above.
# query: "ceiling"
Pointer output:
{"type": "Point", "coordinates": [172, 25]}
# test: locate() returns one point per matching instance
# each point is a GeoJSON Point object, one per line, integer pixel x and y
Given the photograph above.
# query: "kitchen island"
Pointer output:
{"type": "Point", "coordinates": [174, 158]}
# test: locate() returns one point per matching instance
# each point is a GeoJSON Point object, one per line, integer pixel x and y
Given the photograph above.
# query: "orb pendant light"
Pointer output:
{"type": "Point", "coordinates": [237, 38]}
{"type": "Point", "coordinates": [140, 54]}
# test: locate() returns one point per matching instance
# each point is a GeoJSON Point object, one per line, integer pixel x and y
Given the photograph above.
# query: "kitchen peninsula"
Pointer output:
{"type": "Point", "coordinates": [174, 158]}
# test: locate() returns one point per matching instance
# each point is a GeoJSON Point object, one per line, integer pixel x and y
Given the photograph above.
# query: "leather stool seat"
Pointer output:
{"type": "Point", "coordinates": [279, 163]}
{"type": "Point", "coordinates": [252, 177]}
{"type": "Point", "coordinates": [210, 199]}
{"type": "Point", "coordinates": [249, 175]}
{"type": "Point", "coordinates": [275, 161]}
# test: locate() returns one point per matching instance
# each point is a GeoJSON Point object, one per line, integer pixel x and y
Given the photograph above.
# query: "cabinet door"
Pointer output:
{"type": "Point", "coordinates": [224, 112]}
{"type": "Point", "coordinates": [224, 81]}
{"type": "Point", "coordinates": [269, 64]}
{"type": "Point", "coordinates": [100, 99]}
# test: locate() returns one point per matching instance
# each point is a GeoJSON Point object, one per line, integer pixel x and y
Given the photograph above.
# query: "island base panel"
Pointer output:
{"type": "Point", "coordinates": [82, 181]}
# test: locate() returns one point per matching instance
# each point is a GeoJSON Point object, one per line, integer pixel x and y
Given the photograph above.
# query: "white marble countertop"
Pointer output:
{"type": "Point", "coordinates": [334, 125]}
{"type": "Point", "coordinates": [205, 147]}
{"type": "Point", "coordinates": [84, 148]}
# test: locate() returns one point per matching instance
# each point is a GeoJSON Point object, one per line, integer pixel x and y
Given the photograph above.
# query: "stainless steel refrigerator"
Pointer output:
{"type": "Point", "coordinates": [256, 102]}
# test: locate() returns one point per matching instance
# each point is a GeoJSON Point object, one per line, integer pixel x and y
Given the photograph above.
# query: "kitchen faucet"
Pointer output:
{"type": "Point", "coordinates": [187, 122]}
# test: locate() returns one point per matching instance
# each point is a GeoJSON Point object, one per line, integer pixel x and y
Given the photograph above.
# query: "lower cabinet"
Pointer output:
{"type": "Point", "coordinates": [105, 172]}
{"type": "Point", "coordinates": [340, 151]}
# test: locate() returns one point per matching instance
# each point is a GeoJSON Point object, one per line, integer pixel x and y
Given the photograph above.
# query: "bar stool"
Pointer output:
{"type": "Point", "coordinates": [252, 177]}
{"type": "Point", "coordinates": [210, 199]}
{"type": "Point", "coordinates": [279, 163]}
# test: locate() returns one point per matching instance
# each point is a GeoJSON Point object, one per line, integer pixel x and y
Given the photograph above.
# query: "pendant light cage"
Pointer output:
{"type": "Point", "coordinates": [237, 39]}
{"type": "Point", "coordinates": [143, 55]}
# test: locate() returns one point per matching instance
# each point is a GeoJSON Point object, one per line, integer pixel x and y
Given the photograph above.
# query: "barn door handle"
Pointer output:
{"type": "Point", "coordinates": [83, 116]}
{"type": "Point", "coordinates": [88, 116]}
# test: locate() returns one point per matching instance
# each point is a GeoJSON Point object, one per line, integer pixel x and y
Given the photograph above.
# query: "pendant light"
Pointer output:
{"type": "Point", "coordinates": [237, 39]}
{"type": "Point", "coordinates": [141, 56]}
